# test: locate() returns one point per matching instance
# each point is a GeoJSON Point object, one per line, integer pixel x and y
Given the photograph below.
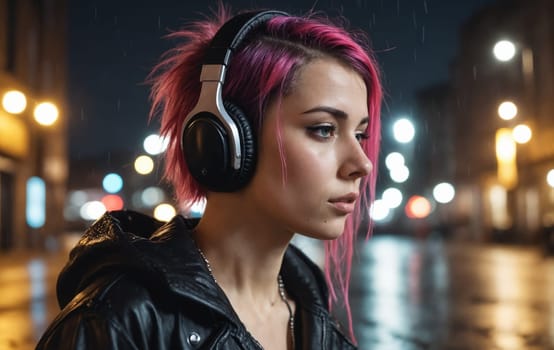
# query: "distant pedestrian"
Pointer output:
{"type": "Point", "coordinates": [274, 121]}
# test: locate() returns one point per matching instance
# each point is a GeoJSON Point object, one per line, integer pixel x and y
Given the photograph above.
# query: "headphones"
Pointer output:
{"type": "Point", "coordinates": [217, 139]}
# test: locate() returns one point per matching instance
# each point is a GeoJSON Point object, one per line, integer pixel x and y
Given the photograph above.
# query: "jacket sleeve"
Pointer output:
{"type": "Point", "coordinates": [83, 330]}
{"type": "Point", "coordinates": [82, 324]}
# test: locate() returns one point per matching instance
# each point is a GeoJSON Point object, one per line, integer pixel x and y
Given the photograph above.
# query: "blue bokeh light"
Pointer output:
{"type": "Point", "coordinates": [112, 183]}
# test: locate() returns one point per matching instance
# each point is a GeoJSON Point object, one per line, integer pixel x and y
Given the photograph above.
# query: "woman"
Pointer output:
{"type": "Point", "coordinates": [274, 121]}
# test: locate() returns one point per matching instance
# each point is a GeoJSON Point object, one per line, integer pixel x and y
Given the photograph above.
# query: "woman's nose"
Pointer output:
{"type": "Point", "coordinates": [356, 163]}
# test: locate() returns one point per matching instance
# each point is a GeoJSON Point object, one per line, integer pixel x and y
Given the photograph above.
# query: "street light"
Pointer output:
{"type": "Point", "coordinates": [504, 50]}
{"type": "Point", "coordinates": [392, 197]}
{"type": "Point", "coordinates": [394, 160]}
{"type": "Point", "coordinates": [14, 102]}
{"type": "Point", "coordinates": [444, 192]}
{"type": "Point", "coordinates": [379, 210]}
{"type": "Point", "coordinates": [155, 144]}
{"type": "Point", "coordinates": [46, 113]}
{"type": "Point", "coordinates": [507, 110]}
{"type": "Point", "coordinates": [403, 130]}
{"type": "Point", "coordinates": [522, 133]}
{"type": "Point", "coordinates": [164, 212]}
{"type": "Point", "coordinates": [400, 174]}
{"type": "Point", "coordinates": [144, 165]}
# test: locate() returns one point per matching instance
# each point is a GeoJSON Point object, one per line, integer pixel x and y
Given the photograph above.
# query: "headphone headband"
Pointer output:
{"type": "Point", "coordinates": [217, 140]}
{"type": "Point", "coordinates": [233, 32]}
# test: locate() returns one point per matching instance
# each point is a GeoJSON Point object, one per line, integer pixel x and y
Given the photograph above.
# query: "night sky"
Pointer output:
{"type": "Point", "coordinates": [114, 44]}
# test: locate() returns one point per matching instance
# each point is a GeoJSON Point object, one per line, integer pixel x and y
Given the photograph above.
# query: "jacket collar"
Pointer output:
{"type": "Point", "coordinates": [166, 254]}
{"type": "Point", "coordinates": [301, 276]}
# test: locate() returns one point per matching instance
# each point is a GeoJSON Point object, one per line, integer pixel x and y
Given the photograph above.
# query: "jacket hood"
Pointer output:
{"type": "Point", "coordinates": [105, 247]}
{"type": "Point", "coordinates": [165, 256]}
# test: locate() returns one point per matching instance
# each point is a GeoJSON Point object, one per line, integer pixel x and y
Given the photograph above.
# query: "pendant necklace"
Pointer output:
{"type": "Point", "coordinates": [282, 295]}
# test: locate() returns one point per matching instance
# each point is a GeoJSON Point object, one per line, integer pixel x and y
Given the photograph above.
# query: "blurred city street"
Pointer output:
{"type": "Point", "coordinates": [406, 294]}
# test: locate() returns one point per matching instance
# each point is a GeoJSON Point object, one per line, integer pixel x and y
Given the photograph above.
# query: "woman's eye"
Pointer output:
{"type": "Point", "coordinates": [322, 131]}
{"type": "Point", "coordinates": [362, 136]}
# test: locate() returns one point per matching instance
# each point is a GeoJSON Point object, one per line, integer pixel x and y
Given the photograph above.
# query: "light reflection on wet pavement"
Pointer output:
{"type": "Point", "coordinates": [405, 294]}
{"type": "Point", "coordinates": [27, 297]}
{"type": "Point", "coordinates": [429, 295]}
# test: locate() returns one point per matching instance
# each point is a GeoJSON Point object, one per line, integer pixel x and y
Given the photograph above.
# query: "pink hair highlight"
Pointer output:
{"type": "Point", "coordinates": [261, 72]}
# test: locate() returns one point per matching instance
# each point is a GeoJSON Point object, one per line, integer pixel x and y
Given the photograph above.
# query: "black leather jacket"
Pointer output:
{"type": "Point", "coordinates": [135, 283]}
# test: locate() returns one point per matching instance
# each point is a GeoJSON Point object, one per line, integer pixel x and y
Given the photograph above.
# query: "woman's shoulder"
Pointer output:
{"type": "Point", "coordinates": [118, 298]}
{"type": "Point", "coordinates": [98, 315]}
{"type": "Point", "coordinates": [126, 311]}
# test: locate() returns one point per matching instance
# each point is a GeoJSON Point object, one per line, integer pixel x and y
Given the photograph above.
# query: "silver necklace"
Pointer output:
{"type": "Point", "coordinates": [280, 286]}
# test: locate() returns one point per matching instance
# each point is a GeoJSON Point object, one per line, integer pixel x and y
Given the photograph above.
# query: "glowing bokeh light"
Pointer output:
{"type": "Point", "coordinates": [164, 212]}
{"type": "Point", "coordinates": [522, 134]}
{"type": "Point", "coordinates": [152, 196]}
{"type": "Point", "coordinates": [504, 50]}
{"type": "Point", "coordinates": [403, 130]}
{"type": "Point", "coordinates": [14, 102]}
{"type": "Point", "coordinates": [418, 207]}
{"type": "Point", "coordinates": [444, 192]}
{"type": "Point", "coordinates": [392, 197]}
{"type": "Point", "coordinates": [46, 113]}
{"type": "Point", "coordinates": [394, 160]}
{"type": "Point", "coordinates": [35, 210]}
{"type": "Point", "coordinates": [144, 165]}
{"type": "Point", "coordinates": [112, 183]}
{"type": "Point", "coordinates": [379, 210]}
{"type": "Point", "coordinates": [112, 202]}
{"type": "Point", "coordinates": [507, 110]}
{"type": "Point", "coordinates": [400, 174]}
{"type": "Point", "coordinates": [155, 144]}
{"type": "Point", "coordinates": [92, 210]}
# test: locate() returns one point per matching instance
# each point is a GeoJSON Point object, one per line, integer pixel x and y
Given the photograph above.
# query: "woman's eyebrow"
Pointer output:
{"type": "Point", "coordinates": [336, 113]}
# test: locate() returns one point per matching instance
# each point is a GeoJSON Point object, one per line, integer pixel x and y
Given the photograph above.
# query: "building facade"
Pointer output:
{"type": "Point", "coordinates": [502, 191]}
{"type": "Point", "coordinates": [32, 64]}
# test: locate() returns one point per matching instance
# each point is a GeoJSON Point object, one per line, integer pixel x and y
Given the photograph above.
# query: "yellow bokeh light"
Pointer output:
{"type": "Point", "coordinates": [506, 158]}
{"type": "Point", "coordinates": [46, 113]}
{"type": "Point", "coordinates": [144, 165]}
{"type": "Point", "coordinates": [522, 133]}
{"type": "Point", "coordinates": [505, 145]}
{"type": "Point", "coordinates": [164, 212]}
{"type": "Point", "coordinates": [507, 110]}
{"type": "Point", "coordinates": [14, 102]}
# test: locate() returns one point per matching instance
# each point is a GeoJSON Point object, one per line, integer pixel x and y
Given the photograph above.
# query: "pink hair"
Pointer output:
{"type": "Point", "coordinates": [261, 71]}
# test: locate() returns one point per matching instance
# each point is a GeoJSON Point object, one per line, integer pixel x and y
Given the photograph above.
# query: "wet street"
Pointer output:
{"type": "Point", "coordinates": [430, 295]}
{"type": "Point", "coordinates": [27, 297]}
{"type": "Point", "coordinates": [405, 294]}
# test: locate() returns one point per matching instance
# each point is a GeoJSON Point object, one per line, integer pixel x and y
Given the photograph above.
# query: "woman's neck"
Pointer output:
{"type": "Point", "coordinates": [244, 250]}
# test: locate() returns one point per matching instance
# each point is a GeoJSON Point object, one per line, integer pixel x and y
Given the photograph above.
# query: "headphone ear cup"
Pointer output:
{"type": "Point", "coordinates": [207, 150]}
{"type": "Point", "coordinates": [248, 145]}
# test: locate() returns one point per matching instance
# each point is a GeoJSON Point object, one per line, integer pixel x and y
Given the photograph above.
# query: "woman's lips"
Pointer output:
{"type": "Point", "coordinates": [343, 207]}
{"type": "Point", "coordinates": [344, 204]}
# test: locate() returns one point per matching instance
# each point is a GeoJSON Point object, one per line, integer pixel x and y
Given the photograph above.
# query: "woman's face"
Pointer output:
{"type": "Point", "coordinates": [321, 122]}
